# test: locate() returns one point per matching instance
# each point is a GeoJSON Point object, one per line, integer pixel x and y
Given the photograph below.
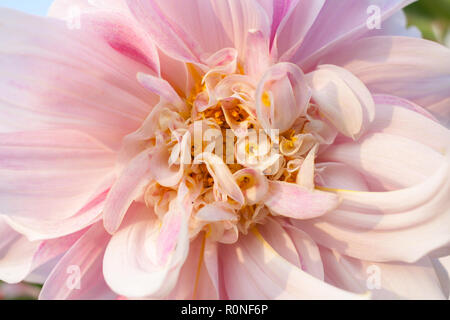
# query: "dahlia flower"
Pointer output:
{"type": "Point", "coordinates": [129, 167]}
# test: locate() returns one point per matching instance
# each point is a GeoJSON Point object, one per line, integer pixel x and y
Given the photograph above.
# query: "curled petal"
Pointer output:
{"type": "Point", "coordinates": [147, 257]}
{"type": "Point", "coordinates": [401, 117]}
{"type": "Point", "coordinates": [163, 169]}
{"type": "Point", "coordinates": [127, 188]}
{"type": "Point", "coordinates": [343, 99]}
{"type": "Point", "coordinates": [389, 222]}
{"type": "Point", "coordinates": [281, 97]}
{"type": "Point", "coordinates": [253, 183]}
{"type": "Point", "coordinates": [403, 163]}
{"type": "Point", "coordinates": [394, 65]}
{"type": "Point", "coordinates": [161, 88]}
{"type": "Point", "coordinates": [292, 200]}
{"type": "Point", "coordinates": [305, 177]}
{"type": "Point", "coordinates": [215, 212]}
{"type": "Point", "coordinates": [222, 176]}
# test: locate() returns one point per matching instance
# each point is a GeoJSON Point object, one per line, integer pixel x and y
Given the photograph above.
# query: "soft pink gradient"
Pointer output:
{"type": "Point", "coordinates": [76, 107]}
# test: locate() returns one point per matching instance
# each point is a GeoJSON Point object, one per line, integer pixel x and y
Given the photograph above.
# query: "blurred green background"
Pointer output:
{"type": "Point", "coordinates": [432, 17]}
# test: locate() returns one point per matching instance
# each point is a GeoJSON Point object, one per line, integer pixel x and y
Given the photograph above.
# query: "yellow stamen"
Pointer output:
{"type": "Point", "coordinates": [245, 181]}
{"type": "Point", "coordinates": [265, 99]}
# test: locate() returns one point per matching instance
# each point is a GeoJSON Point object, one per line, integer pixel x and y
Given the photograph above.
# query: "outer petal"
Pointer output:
{"type": "Point", "coordinates": [19, 256]}
{"type": "Point", "coordinates": [292, 200]}
{"type": "Point", "coordinates": [78, 275]}
{"type": "Point", "coordinates": [190, 31]}
{"type": "Point", "coordinates": [395, 65]}
{"type": "Point", "coordinates": [338, 23]}
{"type": "Point", "coordinates": [143, 260]}
{"type": "Point", "coordinates": [54, 228]}
{"type": "Point", "coordinates": [403, 163]}
{"type": "Point", "coordinates": [56, 77]}
{"type": "Point", "coordinates": [252, 269]}
{"type": "Point", "coordinates": [238, 18]}
{"type": "Point", "coordinates": [401, 117]}
{"type": "Point", "coordinates": [442, 267]}
{"type": "Point", "coordinates": [292, 20]}
{"type": "Point", "coordinates": [395, 225]}
{"type": "Point", "coordinates": [113, 21]}
{"type": "Point", "coordinates": [127, 188]}
{"type": "Point", "coordinates": [393, 280]}
{"type": "Point", "coordinates": [396, 25]}
{"type": "Point", "coordinates": [195, 281]}
{"type": "Point", "coordinates": [59, 172]}
{"type": "Point", "coordinates": [294, 245]}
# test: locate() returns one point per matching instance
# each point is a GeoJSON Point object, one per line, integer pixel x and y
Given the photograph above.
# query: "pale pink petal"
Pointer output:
{"type": "Point", "coordinates": [393, 280]}
{"type": "Point", "coordinates": [402, 163]}
{"type": "Point", "coordinates": [395, 65]}
{"type": "Point", "coordinates": [194, 282]}
{"type": "Point", "coordinates": [143, 261]}
{"type": "Point", "coordinates": [305, 176]}
{"type": "Point", "coordinates": [129, 187]}
{"type": "Point", "coordinates": [252, 269]}
{"type": "Point", "coordinates": [342, 98]}
{"type": "Point", "coordinates": [162, 88]}
{"type": "Point", "coordinates": [281, 97]}
{"type": "Point", "coordinates": [333, 27]}
{"type": "Point", "coordinates": [395, 225]}
{"type": "Point", "coordinates": [54, 228]}
{"type": "Point", "coordinates": [308, 251]}
{"type": "Point", "coordinates": [292, 200]}
{"type": "Point", "coordinates": [396, 25]}
{"type": "Point", "coordinates": [215, 212]}
{"type": "Point", "coordinates": [442, 268]}
{"type": "Point", "coordinates": [190, 31]}
{"type": "Point", "coordinates": [222, 176]}
{"type": "Point", "coordinates": [239, 18]}
{"type": "Point", "coordinates": [59, 172]}
{"type": "Point", "coordinates": [258, 185]}
{"type": "Point", "coordinates": [291, 22]}
{"type": "Point", "coordinates": [166, 173]}
{"type": "Point", "coordinates": [212, 264]}
{"type": "Point", "coordinates": [78, 275]}
{"type": "Point", "coordinates": [57, 78]}
{"type": "Point", "coordinates": [257, 58]}
{"type": "Point", "coordinates": [280, 241]}
{"type": "Point", "coordinates": [339, 176]}
{"type": "Point", "coordinates": [397, 116]}
{"type": "Point", "coordinates": [16, 254]}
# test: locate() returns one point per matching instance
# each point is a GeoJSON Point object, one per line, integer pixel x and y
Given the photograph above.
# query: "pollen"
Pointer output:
{"type": "Point", "coordinates": [265, 99]}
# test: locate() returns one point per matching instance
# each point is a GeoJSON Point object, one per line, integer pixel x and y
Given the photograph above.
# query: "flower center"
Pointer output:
{"type": "Point", "coordinates": [223, 154]}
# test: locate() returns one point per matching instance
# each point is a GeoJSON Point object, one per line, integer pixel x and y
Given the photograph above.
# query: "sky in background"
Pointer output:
{"type": "Point", "coordinates": [39, 7]}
